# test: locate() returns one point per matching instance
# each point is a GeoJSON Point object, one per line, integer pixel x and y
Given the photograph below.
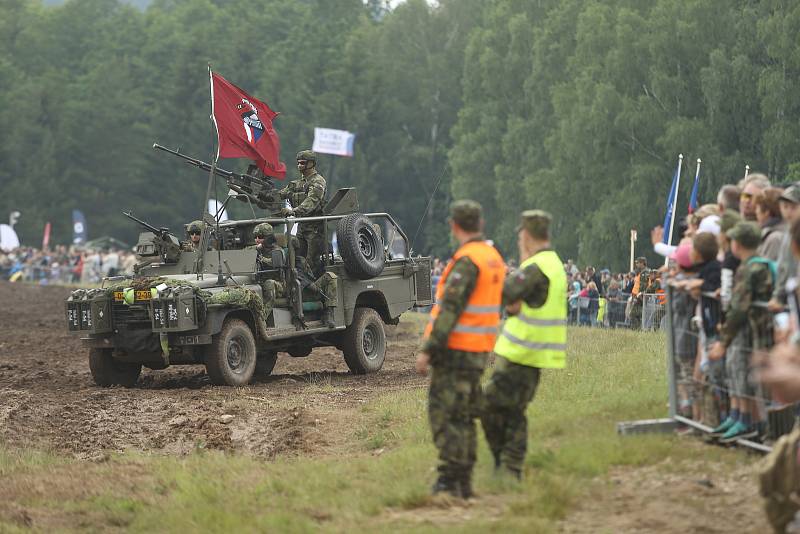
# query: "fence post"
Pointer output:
{"type": "Point", "coordinates": [672, 383]}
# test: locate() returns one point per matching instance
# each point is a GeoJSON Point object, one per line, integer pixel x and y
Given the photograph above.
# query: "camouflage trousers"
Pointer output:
{"type": "Point", "coordinates": [327, 285]}
{"type": "Point", "coordinates": [312, 245]}
{"type": "Point", "coordinates": [453, 405]}
{"type": "Point", "coordinates": [506, 397]}
{"type": "Point", "coordinates": [272, 290]}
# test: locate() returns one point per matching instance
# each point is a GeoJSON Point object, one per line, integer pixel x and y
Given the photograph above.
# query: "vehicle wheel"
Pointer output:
{"type": "Point", "coordinates": [361, 246]}
{"type": "Point", "coordinates": [265, 363]}
{"type": "Point", "coordinates": [108, 371]}
{"type": "Point", "coordinates": [231, 357]}
{"type": "Point", "coordinates": [364, 342]}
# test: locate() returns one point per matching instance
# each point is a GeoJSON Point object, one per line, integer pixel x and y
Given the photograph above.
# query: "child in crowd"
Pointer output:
{"type": "Point", "coordinates": [685, 339]}
{"type": "Point", "coordinates": [704, 288]}
{"type": "Point", "coordinates": [749, 320]}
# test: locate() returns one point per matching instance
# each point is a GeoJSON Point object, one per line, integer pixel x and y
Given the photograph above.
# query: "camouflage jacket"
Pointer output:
{"type": "Point", "coordinates": [458, 288]}
{"type": "Point", "coordinates": [264, 255]}
{"type": "Point", "coordinates": [306, 195]}
{"type": "Point", "coordinates": [751, 290]}
{"type": "Point", "coordinates": [529, 284]}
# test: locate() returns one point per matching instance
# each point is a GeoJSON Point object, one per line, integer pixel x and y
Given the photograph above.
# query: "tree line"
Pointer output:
{"type": "Point", "coordinates": [578, 107]}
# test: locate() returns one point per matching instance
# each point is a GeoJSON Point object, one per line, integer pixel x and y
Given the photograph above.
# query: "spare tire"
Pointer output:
{"type": "Point", "coordinates": [360, 246]}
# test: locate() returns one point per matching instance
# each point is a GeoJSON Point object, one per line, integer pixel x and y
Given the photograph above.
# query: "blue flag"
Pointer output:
{"type": "Point", "coordinates": [671, 205]}
{"type": "Point", "coordinates": [693, 198]}
{"type": "Point", "coordinates": [78, 227]}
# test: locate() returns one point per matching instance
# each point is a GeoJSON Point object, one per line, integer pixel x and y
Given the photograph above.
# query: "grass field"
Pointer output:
{"type": "Point", "coordinates": [380, 479]}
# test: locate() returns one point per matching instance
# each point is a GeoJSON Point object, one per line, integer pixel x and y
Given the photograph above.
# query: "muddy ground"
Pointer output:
{"type": "Point", "coordinates": [48, 401]}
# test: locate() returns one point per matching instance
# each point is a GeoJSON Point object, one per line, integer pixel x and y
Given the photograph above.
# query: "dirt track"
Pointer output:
{"type": "Point", "coordinates": [48, 399]}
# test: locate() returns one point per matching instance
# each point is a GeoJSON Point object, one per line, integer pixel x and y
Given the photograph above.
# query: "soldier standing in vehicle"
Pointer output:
{"type": "Point", "coordinates": [306, 196]}
{"type": "Point", "coordinates": [533, 337]}
{"type": "Point", "coordinates": [195, 233]}
{"type": "Point", "coordinates": [457, 342]}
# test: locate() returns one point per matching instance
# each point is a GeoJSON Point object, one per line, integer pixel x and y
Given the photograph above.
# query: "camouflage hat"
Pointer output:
{"type": "Point", "coordinates": [791, 194]}
{"type": "Point", "coordinates": [536, 223]}
{"type": "Point", "coordinates": [728, 220]}
{"type": "Point", "coordinates": [307, 155]}
{"type": "Point", "coordinates": [194, 226]}
{"type": "Point", "coordinates": [641, 259]}
{"type": "Point", "coordinates": [466, 214]}
{"type": "Point", "coordinates": [746, 234]}
{"type": "Point", "coordinates": [263, 230]}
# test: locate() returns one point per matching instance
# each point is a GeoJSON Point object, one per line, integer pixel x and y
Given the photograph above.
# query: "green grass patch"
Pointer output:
{"type": "Point", "coordinates": [384, 482]}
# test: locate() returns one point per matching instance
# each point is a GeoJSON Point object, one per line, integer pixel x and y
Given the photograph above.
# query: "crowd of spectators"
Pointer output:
{"type": "Point", "coordinates": [64, 265]}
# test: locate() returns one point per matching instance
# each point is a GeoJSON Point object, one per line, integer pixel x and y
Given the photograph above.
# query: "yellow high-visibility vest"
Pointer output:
{"type": "Point", "coordinates": [537, 337]}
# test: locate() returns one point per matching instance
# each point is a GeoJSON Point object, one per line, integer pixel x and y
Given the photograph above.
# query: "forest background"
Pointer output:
{"type": "Point", "coordinates": [579, 107]}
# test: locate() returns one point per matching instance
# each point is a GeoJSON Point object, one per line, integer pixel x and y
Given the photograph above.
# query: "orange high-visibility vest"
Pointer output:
{"type": "Point", "coordinates": [476, 329]}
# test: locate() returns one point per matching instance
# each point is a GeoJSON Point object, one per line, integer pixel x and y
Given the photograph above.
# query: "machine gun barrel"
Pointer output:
{"type": "Point", "coordinates": [148, 226]}
{"type": "Point", "coordinates": [194, 161]}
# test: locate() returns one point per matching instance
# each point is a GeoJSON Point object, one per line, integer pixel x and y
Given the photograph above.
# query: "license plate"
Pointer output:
{"type": "Point", "coordinates": [142, 295]}
{"type": "Point", "coordinates": [119, 296]}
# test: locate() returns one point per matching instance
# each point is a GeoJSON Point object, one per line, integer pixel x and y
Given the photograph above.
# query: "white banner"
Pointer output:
{"type": "Point", "coordinates": [336, 142]}
{"type": "Point", "coordinates": [8, 238]}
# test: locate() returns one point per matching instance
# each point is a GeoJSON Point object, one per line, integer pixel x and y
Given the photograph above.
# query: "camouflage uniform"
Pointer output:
{"type": "Point", "coordinates": [512, 386]}
{"type": "Point", "coordinates": [306, 195]}
{"type": "Point", "coordinates": [454, 396]}
{"type": "Point", "coordinates": [747, 317]}
{"type": "Point", "coordinates": [272, 289]}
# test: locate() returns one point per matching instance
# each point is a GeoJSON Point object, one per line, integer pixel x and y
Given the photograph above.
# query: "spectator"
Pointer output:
{"type": "Point", "coordinates": [787, 263]}
{"type": "Point", "coordinates": [768, 216]}
{"type": "Point", "coordinates": [751, 186]}
{"type": "Point", "coordinates": [728, 198]}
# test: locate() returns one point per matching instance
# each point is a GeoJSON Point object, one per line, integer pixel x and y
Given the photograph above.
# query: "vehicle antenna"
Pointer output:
{"type": "Point", "coordinates": [424, 213]}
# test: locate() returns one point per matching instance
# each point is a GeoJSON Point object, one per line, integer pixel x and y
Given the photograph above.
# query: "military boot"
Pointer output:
{"type": "Point", "coordinates": [465, 486]}
{"type": "Point", "coordinates": [446, 484]}
{"type": "Point", "coordinates": [327, 317]}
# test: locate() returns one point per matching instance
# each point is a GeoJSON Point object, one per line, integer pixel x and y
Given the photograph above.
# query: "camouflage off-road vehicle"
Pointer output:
{"type": "Point", "coordinates": [188, 307]}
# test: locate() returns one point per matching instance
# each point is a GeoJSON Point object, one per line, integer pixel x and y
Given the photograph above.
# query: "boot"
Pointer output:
{"type": "Point", "coordinates": [465, 486]}
{"type": "Point", "coordinates": [445, 484]}
{"type": "Point", "coordinates": [327, 317]}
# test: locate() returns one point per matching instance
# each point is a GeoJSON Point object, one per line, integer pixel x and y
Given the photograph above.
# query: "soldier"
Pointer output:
{"type": "Point", "coordinates": [264, 236]}
{"type": "Point", "coordinates": [195, 233]}
{"type": "Point", "coordinates": [637, 295]}
{"type": "Point", "coordinates": [533, 337]}
{"type": "Point", "coordinates": [457, 342]}
{"type": "Point", "coordinates": [306, 195]}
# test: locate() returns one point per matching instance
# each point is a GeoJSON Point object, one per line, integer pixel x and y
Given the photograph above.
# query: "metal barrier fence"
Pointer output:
{"type": "Point", "coordinates": [646, 312]}
{"type": "Point", "coordinates": [701, 389]}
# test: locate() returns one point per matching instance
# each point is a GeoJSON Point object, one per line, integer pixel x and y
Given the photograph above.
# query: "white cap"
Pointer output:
{"type": "Point", "coordinates": [710, 224]}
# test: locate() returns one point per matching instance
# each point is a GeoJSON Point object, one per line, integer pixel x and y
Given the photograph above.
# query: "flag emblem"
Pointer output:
{"type": "Point", "coordinates": [253, 127]}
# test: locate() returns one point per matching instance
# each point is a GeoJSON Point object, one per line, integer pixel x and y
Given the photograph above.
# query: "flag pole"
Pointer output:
{"type": "Point", "coordinates": [214, 144]}
{"type": "Point", "coordinates": [674, 201]}
{"type": "Point", "coordinates": [746, 171]}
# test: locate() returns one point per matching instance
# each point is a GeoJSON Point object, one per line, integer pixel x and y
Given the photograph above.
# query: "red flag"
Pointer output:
{"type": "Point", "coordinates": [244, 126]}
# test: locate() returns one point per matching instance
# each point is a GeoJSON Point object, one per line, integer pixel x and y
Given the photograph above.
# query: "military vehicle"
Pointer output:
{"type": "Point", "coordinates": [206, 305]}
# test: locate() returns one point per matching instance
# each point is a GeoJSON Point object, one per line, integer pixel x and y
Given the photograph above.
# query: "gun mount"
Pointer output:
{"type": "Point", "coordinates": [156, 243]}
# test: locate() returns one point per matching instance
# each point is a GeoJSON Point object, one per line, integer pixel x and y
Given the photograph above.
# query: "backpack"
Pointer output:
{"type": "Point", "coordinates": [773, 267]}
{"type": "Point", "coordinates": [779, 478]}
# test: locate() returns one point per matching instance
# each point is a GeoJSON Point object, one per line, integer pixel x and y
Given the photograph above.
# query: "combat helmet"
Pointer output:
{"type": "Point", "coordinates": [263, 230]}
{"type": "Point", "coordinates": [307, 155]}
{"type": "Point", "coordinates": [194, 226]}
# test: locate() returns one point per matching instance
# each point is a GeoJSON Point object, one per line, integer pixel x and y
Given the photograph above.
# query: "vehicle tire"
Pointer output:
{"type": "Point", "coordinates": [364, 342]}
{"type": "Point", "coordinates": [265, 363]}
{"type": "Point", "coordinates": [108, 371]}
{"type": "Point", "coordinates": [360, 246]}
{"type": "Point", "coordinates": [231, 357]}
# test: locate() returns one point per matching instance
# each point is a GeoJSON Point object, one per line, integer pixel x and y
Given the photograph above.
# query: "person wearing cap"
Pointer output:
{"type": "Point", "coordinates": [534, 337]}
{"type": "Point", "coordinates": [195, 231]}
{"type": "Point", "coordinates": [752, 323]}
{"type": "Point", "coordinates": [306, 197]}
{"type": "Point", "coordinates": [789, 202]}
{"type": "Point", "coordinates": [456, 344]}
